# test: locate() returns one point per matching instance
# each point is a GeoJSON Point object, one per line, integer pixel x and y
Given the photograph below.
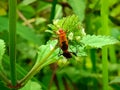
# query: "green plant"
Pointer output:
{"type": "Point", "coordinates": [47, 54]}
{"type": "Point", "coordinates": [104, 17]}
{"type": "Point", "coordinates": [12, 40]}
{"type": "Point", "coordinates": [36, 60]}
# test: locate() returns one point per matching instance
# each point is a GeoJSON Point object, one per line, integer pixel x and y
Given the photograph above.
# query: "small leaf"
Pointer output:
{"type": "Point", "coordinates": [70, 25]}
{"type": "Point", "coordinates": [44, 51]}
{"type": "Point", "coordinates": [2, 48]}
{"type": "Point", "coordinates": [27, 2]}
{"type": "Point", "coordinates": [116, 80]}
{"type": "Point", "coordinates": [78, 7]}
{"type": "Point", "coordinates": [31, 85]}
{"type": "Point", "coordinates": [98, 41]}
{"type": "Point", "coordinates": [58, 11]}
{"type": "Point", "coordinates": [115, 83]}
{"type": "Point", "coordinates": [2, 51]}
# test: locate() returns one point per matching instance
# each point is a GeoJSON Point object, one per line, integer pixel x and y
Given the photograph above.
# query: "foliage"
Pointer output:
{"type": "Point", "coordinates": [31, 85]}
{"type": "Point", "coordinates": [71, 25]}
{"type": "Point", "coordinates": [79, 8]}
{"type": "Point", "coordinates": [92, 32]}
{"type": "Point", "coordinates": [115, 83]}
{"type": "Point", "coordinates": [44, 51]}
{"type": "Point", "coordinates": [98, 41]}
{"type": "Point", "coordinates": [25, 32]}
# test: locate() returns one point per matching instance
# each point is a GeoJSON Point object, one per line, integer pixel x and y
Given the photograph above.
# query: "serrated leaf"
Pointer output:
{"type": "Point", "coordinates": [78, 7]}
{"type": "Point", "coordinates": [44, 51]}
{"type": "Point", "coordinates": [53, 27]}
{"type": "Point", "coordinates": [70, 25]}
{"type": "Point", "coordinates": [98, 41]}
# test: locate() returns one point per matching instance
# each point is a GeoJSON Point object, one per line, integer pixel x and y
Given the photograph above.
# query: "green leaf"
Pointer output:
{"type": "Point", "coordinates": [28, 11]}
{"type": "Point", "coordinates": [98, 41]}
{"type": "Point", "coordinates": [31, 85]}
{"type": "Point", "coordinates": [115, 33]}
{"type": "Point", "coordinates": [41, 6]}
{"type": "Point", "coordinates": [116, 80]}
{"type": "Point", "coordinates": [70, 25]}
{"type": "Point", "coordinates": [28, 34]}
{"type": "Point", "coordinates": [2, 51]}
{"type": "Point", "coordinates": [74, 73]}
{"type": "Point", "coordinates": [27, 2]}
{"type": "Point", "coordinates": [2, 48]}
{"type": "Point", "coordinates": [58, 11]}
{"type": "Point", "coordinates": [44, 52]}
{"type": "Point", "coordinates": [78, 7]}
{"type": "Point", "coordinates": [115, 83]}
{"type": "Point", "coordinates": [25, 32]}
{"type": "Point", "coordinates": [21, 72]}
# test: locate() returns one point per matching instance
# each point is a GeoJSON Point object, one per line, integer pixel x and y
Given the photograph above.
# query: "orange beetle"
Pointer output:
{"type": "Point", "coordinates": [64, 43]}
{"type": "Point", "coordinates": [63, 40]}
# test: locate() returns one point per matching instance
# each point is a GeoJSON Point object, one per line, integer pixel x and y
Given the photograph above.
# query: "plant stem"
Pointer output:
{"type": "Point", "coordinates": [105, 67]}
{"type": "Point", "coordinates": [21, 71]}
{"type": "Point", "coordinates": [105, 31]}
{"type": "Point", "coordinates": [12, 39]}
{"type": "Point", "coordinates": [36, 68]}
{"type": "Point", "coordinates": [104, 18]}
{"type": "Point", "coordinates": [93, 60]}
{"type": "Point", "coordinates": [53, 10]}
{"type": "Point", "coordinates": [112, 54]}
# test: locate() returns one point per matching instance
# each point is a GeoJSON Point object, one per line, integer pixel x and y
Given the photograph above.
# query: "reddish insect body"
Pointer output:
{"type": "Point", "coordinates": [64, 43]}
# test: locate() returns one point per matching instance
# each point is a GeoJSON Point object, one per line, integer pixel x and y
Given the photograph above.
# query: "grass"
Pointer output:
{"type": "Point", "coordinates": [12, 40]}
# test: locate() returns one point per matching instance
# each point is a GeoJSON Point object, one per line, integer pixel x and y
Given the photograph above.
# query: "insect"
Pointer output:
{"type": "Point", "coordinates": [64, 44]}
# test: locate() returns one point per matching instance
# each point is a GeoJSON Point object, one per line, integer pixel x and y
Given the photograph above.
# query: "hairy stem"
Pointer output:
{"type": "Point", "coordinates": [36, 68]}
